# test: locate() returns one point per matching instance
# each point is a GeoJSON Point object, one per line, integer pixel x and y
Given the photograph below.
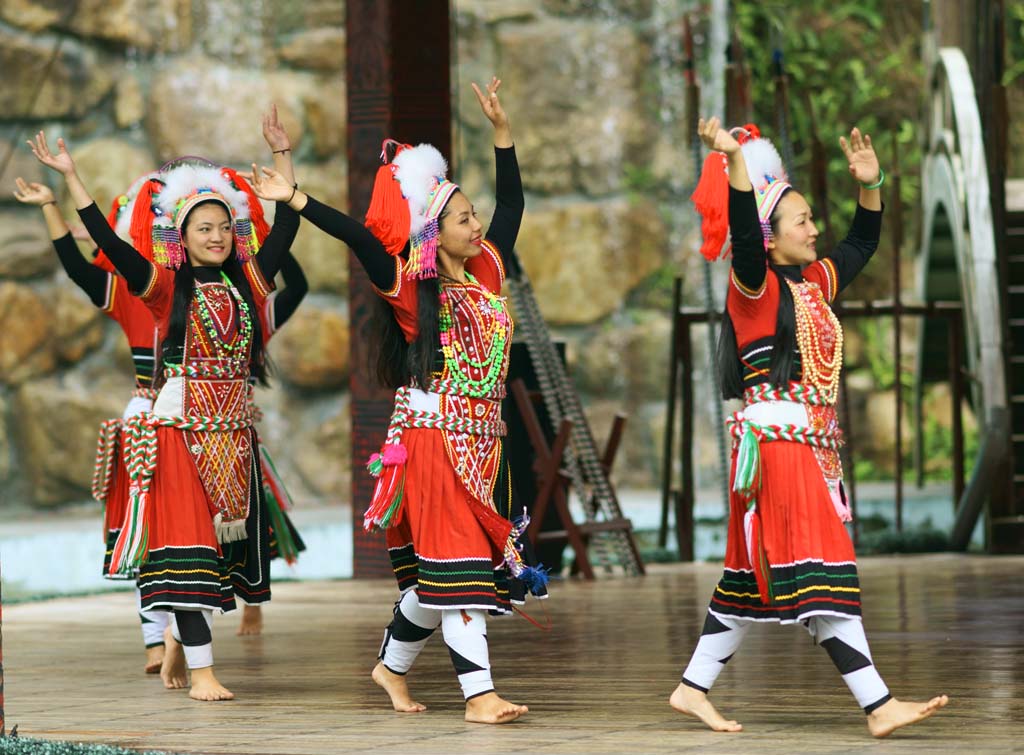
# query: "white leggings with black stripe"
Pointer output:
{"type": "Point", "coordinates": [465, 634]}
{"type": "Point", "coordinates": [842, 637]}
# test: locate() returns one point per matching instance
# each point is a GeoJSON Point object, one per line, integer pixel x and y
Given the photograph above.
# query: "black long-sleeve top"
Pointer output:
{"type": "Point", "coordinates": [86, 276]}
{"type": "Point", "coordinates": [380, 266]}
{"type": "Point", "coordinates": [138, 271]}
{"type": "Point", "coordinates": [287, 299]}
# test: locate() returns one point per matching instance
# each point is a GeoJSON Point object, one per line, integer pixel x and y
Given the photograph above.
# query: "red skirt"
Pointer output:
{"type": "Point", "coordinates": [447, 545]}
{"type": "Point", "coordinates": [812, 567]}
{"type": "Point", "coordinates": [185, 566]}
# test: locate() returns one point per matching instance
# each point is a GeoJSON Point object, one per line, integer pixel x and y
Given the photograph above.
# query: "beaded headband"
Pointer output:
{"type": "Point", "coordinates": [157, 213]}
{"type": "Point", "coordinates": [409, 195]}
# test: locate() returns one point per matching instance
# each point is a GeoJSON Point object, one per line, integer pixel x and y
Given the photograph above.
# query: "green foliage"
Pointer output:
{"type": "Point", "coordinates": [1014, 42]}
{"type": "Point", "coordinates": [923, 539]}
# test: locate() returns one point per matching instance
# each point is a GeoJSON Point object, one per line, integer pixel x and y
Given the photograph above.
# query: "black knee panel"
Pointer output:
{"type": "Point", "coordinates": [404, 630]}
{"type": "Point", "coordinates": [846, 658]}
{"type": "Point", "coordinates": [193, 628]}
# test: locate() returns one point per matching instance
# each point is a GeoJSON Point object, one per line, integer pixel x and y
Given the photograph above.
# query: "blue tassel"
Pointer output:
{"type": "Point", "coordinates": [535, 578]}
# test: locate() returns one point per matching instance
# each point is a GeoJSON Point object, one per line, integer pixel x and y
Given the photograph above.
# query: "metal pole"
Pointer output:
{"type": "Point", "coordinates": [670, 420]}
{"type": "Point", "coordinates": [897, 243]}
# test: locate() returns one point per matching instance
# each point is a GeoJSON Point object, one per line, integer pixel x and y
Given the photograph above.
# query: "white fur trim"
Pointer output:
{"type": "Point", "coordinates": [763, 160]}
{"type": "Point", "coordinates": [184, 180]}
{"type": "Point", "coordinates": [418, 170]}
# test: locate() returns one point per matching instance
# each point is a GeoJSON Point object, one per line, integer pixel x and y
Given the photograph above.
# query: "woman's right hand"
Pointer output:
{"type": "Point", "coordinates": [715, 137]}
{"type": "Point", "coordinates": [33, 193]}
{"type": "Point", "coordinates": [60, 162]}
{"type": "Point", "coordinates": [270, 185]}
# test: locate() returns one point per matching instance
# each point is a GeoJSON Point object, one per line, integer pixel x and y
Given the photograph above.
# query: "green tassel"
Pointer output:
{"type": "Point", "coordinates": [748, 465]}
{"type": "Point", "coordinates": [282, 533]}
{"type": "Point", "coordinates": [396, 504]}
{"type": "Point", "coordinates": [375, 465]}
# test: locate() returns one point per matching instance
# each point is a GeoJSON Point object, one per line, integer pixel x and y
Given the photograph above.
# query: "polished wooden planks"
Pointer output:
{"type": "Point", "coordinates": [597, 683]}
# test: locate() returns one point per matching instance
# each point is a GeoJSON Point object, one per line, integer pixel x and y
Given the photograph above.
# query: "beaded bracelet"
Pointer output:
{"type": "Point", "coordinates": [295, 188]}
{"type": "Point", "coordinates": [878, 183]}
{"type": "Point", "coordinates": [281, 151]}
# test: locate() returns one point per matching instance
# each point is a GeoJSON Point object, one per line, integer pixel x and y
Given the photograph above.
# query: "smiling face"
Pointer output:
{"type": "Point", "coordinates": [460, 232]}
{"type": "Point", "coordinates": [207, 235]}
{"type": "Point", "coordinates": [794, 232]}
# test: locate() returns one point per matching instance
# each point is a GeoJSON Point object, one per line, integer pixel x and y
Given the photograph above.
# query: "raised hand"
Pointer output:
{"type": "Point", "coordinates": [863, 162]}
{"type": "Point", "coordinates": [60, 162]}
{"type": "Point", "coordinates": [715, 137]}
{"type": "Point", "coordinates": [491, 105]}
{"type": "Point", "coordinates": [270, 185]}
{"type": "Point", "coordinates": [273, 131]}
{"type": "Point", "coordinates": [33, 193]}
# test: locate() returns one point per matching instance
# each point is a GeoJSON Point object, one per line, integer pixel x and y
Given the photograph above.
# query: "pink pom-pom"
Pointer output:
{"type": "Point", "coordinates": [394, 454]}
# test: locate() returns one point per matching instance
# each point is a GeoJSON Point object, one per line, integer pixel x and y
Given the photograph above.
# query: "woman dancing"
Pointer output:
{"type": "Point", "coordinates": [788, 556]}
{"type": "Point", "coordinates": [443, 488]}
{"type": "Point", "coordinates": [197, 522]}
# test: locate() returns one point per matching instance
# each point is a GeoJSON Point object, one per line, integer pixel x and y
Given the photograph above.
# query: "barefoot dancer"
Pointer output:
{"type": "Point", "coordinates": [109, 292]}
{"type": "Point", "coordinates": [788, 557]}
{"type": "Point", "coordinates": [197, 521]}
{"type": "Point", "coordinates": [443, 488]}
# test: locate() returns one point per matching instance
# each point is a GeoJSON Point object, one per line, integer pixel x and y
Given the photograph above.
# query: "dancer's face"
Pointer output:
{"type": "Point", "coordinates": [794, 230]}
{"type": "Point", "coordinates": [207, 235]}
{"type": "Point", "coordinates": [460, 232]}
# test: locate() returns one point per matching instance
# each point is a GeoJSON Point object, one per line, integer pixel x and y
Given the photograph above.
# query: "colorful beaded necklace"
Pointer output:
{"type": "Point", "coordinates": [458, 362]}
{"type": "Point", "coordinates": [241, 344]}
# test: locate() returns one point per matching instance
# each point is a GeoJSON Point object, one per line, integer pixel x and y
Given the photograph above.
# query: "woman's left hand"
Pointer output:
{"type": "Point", "coordinates": [491, 105]}
{"type": "Point", "coordinates": [270, 185]}
{"type": "Point", "coordinates": [863, 162]}
{"type": "Point", "coordinates": [32, 193]}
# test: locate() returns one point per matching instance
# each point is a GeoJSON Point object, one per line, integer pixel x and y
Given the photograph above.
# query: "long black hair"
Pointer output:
{"type": "Point", "coordinates": [784, 347]}
{"type": "Point", "coordinates": [184, 292]}
{"type": "Point", "coordinates": [396, 362]}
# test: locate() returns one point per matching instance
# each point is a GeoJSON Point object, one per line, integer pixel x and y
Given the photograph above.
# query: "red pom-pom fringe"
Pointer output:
{"type": "Point", "coordinates": [711, 198]}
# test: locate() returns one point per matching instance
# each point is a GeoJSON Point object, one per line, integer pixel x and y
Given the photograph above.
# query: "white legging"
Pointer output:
{"type": "Point", "coordinates": [194, 635]}
{"type": "Point", "coordinates": [465, 634]}
{"type": "Point", "coordinates": [153, 622]}
{"type": "Point", "coordinates": [842, 637]}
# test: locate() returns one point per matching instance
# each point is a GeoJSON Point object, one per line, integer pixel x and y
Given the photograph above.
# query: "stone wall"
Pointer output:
{"type": "Point", "coordinates": [595, 94]}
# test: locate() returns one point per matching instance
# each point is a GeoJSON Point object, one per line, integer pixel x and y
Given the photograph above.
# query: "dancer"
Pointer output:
{"type": "Point", "coordinates": [443, 487]}
{"type": "Point", "coordinates": [197, 521]}
{"type": "Point", "coordinates": [788, 556]}
{"type": "Point", "coordinates": [109, 292]}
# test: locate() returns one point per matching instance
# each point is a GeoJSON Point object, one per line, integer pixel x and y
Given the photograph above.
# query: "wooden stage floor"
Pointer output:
{"type": "Point", "coordinates": [597, 683]}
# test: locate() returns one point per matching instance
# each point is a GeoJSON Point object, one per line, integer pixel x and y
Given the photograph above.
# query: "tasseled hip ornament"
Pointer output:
{"type": "Point", "coordinates": [106, 446]}
{"type": "Point", "coordinates": [386, 505]}
{"type": "Point", "coordinates": [747, 484]}
{"type": "Point", "coordinates": [534, 577]}
{"type": "Point", "coordinates": [132, 545]}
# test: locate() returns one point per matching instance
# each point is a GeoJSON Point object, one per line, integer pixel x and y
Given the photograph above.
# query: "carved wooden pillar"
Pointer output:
{"type": "Point", "coordinates": [398, 86]}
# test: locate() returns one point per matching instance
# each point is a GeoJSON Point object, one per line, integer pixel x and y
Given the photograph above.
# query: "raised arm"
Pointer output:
{"type": "Point", "coordinates": [852, 253]}
{"type": "Point", "coordinates": [87, 277]}
{"type": "Point", "coordinates": [379, 265]}
{"type": "Point", "coordinates": [136, 269]}
{"type": "Point", "coordinates": [749, 258]}
{"type": "Point", "coordinates": [508, 185]}
{"type": "Point", "coordinates": [287, 299]}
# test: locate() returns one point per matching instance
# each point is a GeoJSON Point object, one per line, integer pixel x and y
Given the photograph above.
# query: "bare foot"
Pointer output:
{"type": "Point", "coordinates": [172, 670]}
{"type": "Point", "coordinates": [397, 689]}
{"type": "Point", "coordinates": [206, 687]}
{"type": "Point", "coordinates": [886, 719]}
{"type": "Point", "coordinates": [154, 659]}
{"type": "Point", "coordinates": [252, 621]}
{"type": "Point", "coordinates": [491, 709]}
{"type": "Point", "coordinates": [695, 703]}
